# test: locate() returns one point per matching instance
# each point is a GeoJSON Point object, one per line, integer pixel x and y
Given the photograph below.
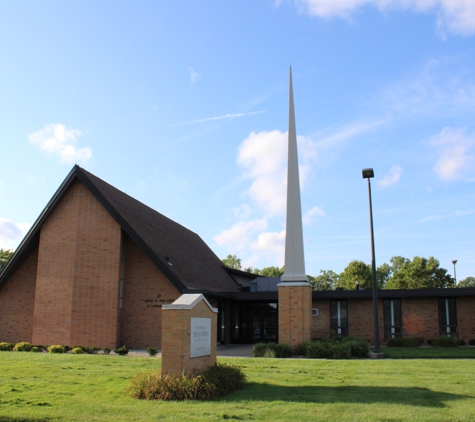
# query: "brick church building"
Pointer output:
{"type": "Point", "coordinates": [97, 266]}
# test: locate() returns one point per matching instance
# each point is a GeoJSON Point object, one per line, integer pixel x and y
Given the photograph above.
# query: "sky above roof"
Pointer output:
{"type": "Point", "coordinates": [184, 106]}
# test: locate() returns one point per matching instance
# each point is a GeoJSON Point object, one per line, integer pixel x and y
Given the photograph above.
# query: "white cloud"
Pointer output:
{"type": "Point", "coordinates": [456, 16]}
{"type": "Point", "coordinates": [193, 75]}
{"type": "Point", "coordinates": [11, 233]}
{"type": "Point", "coordinates": [453, 147]}
{"type": "Point", "coordinates": [238, 237]}
{"type": "Point", "coordinates": [391, 178]}
{"type": "Point", "coordinates": [263, 156]}
{"type": "Point", "coordinates": [311, 214]}
{"type": "Point", "coordinates": [271, 244]}
{"type": "Point", "coordinates": [58, 140]}
{"type": "Point", "coordinates": [243, 212]}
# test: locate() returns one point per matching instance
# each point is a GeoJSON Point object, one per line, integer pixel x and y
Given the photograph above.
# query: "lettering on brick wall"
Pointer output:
{"type": "Point", "coordinates": [157, 302]}
{"type": "Point", "coordinates": [200, 338]}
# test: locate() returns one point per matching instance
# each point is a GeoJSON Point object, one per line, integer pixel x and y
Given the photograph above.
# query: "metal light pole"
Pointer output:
{"type": "Point", "coordinates": [455, 274]}
{"type": "Point", "coordinates": [368, 174]}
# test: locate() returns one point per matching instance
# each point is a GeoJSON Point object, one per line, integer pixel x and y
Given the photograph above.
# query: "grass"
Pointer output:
{"type": "Point", "coordinates": [429, 352]}
{"type": "Point", "coordinates": [42, 387]}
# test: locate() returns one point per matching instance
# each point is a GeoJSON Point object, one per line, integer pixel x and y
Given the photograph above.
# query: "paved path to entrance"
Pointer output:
{"type": "Point", "coordinates": [235, 350]}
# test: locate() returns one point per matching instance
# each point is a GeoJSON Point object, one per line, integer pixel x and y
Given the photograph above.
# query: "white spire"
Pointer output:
{"type": "Point", "coordinates": [294, 256]}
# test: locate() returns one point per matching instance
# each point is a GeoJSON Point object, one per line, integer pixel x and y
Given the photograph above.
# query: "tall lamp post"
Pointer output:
{"type": "Point", "coordinates": [368, 174]}
{"type": "Point", "coordinates": [455, 274]}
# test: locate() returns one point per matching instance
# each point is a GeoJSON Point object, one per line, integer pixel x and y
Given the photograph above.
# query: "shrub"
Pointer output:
{"type": "Point", "coordinates": [215, 382]}
{"type": "Point", "coordinates": [122, 351]}
{"type": "Point", "coordinates": [340, 350]}
{"type": "Point", "coordinates": [22, 347]}
{"type": "Point", "coordinates": [152, 351]}
{"type": "Point", "coordinates": [359, 348]}
{"type": "Point", "coordinates": [106, 350]}
{"type": "Point", "coordinates": [319, 350]}
{"type": "Point", "coordinates": [272, 350]}
{"type": "Point", "coordinates": [41, 348]}
{"type": "Point", "coordinates": [77, 351]}
{"type": "Point", "coordinates": [300, 349]}
{"type": "Point", "coordinates": [443, 342]}
{"type": "Point", "coordinates": [6, 347]}
{"type": "Point", "coordinates": [460, 342]}
{"type": "Point", "coordinates": [35, 349]}
{"type": "Point", "coordinates": [405, 342]}
{"type": "Point", "coordinates": [56, 348]}
{"type": "Point", "coordinates": [472, 342]}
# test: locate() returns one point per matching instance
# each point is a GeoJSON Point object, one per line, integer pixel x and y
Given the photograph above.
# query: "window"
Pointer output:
{"type": "Point", "coordinates": [448, 318]}
{"type": "Point", "coordinates": [339, 318]}
{"type": "Point", "coordinates": [392, 318]}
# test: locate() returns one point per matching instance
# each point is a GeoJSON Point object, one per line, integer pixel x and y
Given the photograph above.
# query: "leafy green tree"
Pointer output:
{"type": "Point", "coordinates": [467, 282]}
{"type": "Point", "coordinates": [383, 272]}
{"type": "Point", "coordinates": [5, 255]}
{"type": "Point", "coordinates": [420, 273]}
{"type": "Point", "coordinates": [326, 280]}
{"type": "Point", "coordinates": [272, 272]}
{"type": "Point", "coordinates": [232, 261]}
{"type": "Point", "coordinates": [353, 272]}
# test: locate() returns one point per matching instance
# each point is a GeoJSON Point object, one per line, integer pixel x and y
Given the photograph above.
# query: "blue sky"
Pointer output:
{"type": "Point", "coordinates": [184, 106]}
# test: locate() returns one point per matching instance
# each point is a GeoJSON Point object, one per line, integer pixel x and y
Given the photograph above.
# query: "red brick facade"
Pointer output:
{"type": "Point", "coordinates": [146, 289]}
{"type": "Point", "coordinates": [77, 286]}
{"type": "Point", "coordinates": [17, 301]}
{"type": "Point", "coordinates": [420, 318]}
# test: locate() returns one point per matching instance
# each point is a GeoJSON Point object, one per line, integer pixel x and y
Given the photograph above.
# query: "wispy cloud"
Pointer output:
{"type": "Point", "coordinates": [454, 16]}
{"type": "Point", "coordinates": [57, 140]}
{"type": "Point", "coordinates": [11, 233]}
{"type": "Point", "coordinates": [453, 147]}
{"type": "Point", "coordinates": [193, 75]}
{"type": "Point", "coordinates": [226, 116]}
{"type": "Point", "coordinates": [391, 178]}
{"type": "Point", "coordinates": [311, 214]}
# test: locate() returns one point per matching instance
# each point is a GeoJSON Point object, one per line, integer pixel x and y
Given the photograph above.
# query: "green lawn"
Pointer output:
{"type": "Point", "coordinates": [37, 387]}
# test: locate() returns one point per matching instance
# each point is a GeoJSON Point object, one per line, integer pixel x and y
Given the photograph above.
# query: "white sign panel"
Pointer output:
{"type": "Point", "coordinates": [200, 341]}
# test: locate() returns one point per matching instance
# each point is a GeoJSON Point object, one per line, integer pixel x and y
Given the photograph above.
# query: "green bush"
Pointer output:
{"type": "Point", "coordinates": [122, 351]}
{"type": "Point", "coordinates": [272, 350]}
{"type": "Point", "coordinates": [472, 342]}
{"type": "Point", "coordinates": [152, 351]}
{"type": "Point", "coordinates": [56, 348]}
{"type": "Point", "coordinates": [22, 347]}
{"type": "Point", "coordinates": [77, 351]}
{"type": "Point", "coordinates": [359, 348]}
{"type": "Point", "coordinates": [41, 348]}
{"type": "Point", "coordinates": [320, 349]}
{"type": "Point", "coordinates": [215, 382]}
{"type": "Point", "coordinates": [460, 342]}
{"type": "Point", "coordinates": [405, 342]}
{"type": "Point", "coordinates": [6, 347]}
{"type": "Point", "coordinates": [106, 350]}
{"type": "Point", "coordinates": [443, 342]}
{"type": "Point", "coordinates": [300, 349]}
{"type": "Point", "coordinates": [35, 349]}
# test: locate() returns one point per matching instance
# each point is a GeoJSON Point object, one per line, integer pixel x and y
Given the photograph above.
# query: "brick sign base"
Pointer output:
{"type": "Point", "coordinates": [189, 335]}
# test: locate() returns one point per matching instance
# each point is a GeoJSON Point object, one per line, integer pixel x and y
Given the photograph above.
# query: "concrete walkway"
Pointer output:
{"type": "Point", "coordinates": [235, 350]}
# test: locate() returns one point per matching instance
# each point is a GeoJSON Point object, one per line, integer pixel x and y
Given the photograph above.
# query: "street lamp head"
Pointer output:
{"type": "Point", "coordinates": [368, 173]}
{"type": "Point", "coordinates": [454, 261]}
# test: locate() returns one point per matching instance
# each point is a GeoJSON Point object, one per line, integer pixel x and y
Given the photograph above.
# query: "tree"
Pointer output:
{"type": "Point", "coordinates": [327, 280]}
{"type": "Point", "coordinates": [5, 255]}
{"type": "Point", "coordinates": [420, 273]}
{"type": "Point", "coordinates": [232, 261]}
{"type": "Point", "coordinates": [271, 272]}
{"type": "Point", "coordinates": [383, 272]}
{"type": "Point", "coordinates": [353, 272]}
{"type": "Point", "coordinates": [467, 282]}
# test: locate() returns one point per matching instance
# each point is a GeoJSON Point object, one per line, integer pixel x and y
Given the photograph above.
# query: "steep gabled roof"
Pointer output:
{"type": "Point", "coordinates": [179, 253]}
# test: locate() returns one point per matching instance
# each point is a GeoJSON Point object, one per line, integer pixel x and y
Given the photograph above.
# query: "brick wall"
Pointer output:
{"type": "Point", "coordinates": [17, 301]}
{"type": "Point", "coordinates": [77, 289]}
{"type": "Point", "coordinates": [420, 317]}
{"type": "Point", "coordinates": [466, 318]}
{"type": "Point", "coordinates": [146, 289]}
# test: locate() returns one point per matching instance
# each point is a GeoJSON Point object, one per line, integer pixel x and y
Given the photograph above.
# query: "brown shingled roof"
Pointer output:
{"type": "Point", "coordinates": [179, 253]}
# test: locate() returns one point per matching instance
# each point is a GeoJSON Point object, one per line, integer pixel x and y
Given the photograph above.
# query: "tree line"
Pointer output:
{"type": "Point", "coordinates": [400, 273]}
{"type": "Point", "coordinates": [5, 255]}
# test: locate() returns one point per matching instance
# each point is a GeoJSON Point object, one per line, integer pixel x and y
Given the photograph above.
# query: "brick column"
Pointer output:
{"type": "Point", "coordinates": [295, 312]}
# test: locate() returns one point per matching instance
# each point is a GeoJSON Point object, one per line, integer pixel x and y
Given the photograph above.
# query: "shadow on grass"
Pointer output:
{"type": "Point", "coordinates": [411, 396]}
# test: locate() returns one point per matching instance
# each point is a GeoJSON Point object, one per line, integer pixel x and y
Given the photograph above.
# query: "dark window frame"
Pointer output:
{"type": "Point", "coordinates": [339, 322]}
{"type": "Point", "coordinates": [448, 321]}
{"type": "Point", "coordinates": [392, 321]}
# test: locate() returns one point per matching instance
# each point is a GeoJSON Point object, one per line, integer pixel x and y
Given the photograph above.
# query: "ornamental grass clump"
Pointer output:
{"type": "Point", "coordinates": [215, 382]}
{"type": "Point", "coordinates": [56, 348]}
{"type": "Point", "coordinates": [152, 351]}
{"type": "Point", "coordinates": [272, 350]}
{"type": "Point", "coordinates": [22, 347]}
{"type": "Point", "coordinates": [122, 351]}
{"type": "Point", "coordinates": [77, 351]}
{"type": "Point", "coordinates": [6, 347]}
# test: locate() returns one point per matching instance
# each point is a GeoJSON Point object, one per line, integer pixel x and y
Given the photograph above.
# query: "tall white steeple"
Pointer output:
{"type": "Point", "coordinates": [294, 255]}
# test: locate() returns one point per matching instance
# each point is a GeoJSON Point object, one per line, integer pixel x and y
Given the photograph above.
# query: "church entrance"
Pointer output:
{"type": "Point", "coordinates": [254, 322]}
